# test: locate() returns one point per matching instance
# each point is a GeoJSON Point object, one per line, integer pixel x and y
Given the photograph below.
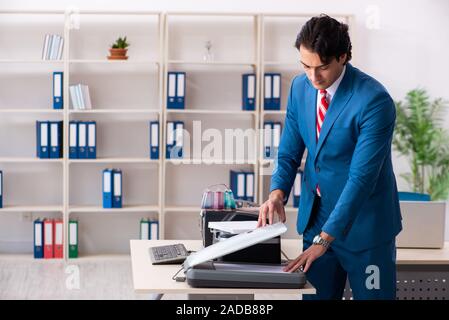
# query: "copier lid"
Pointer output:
{"type": "Point", "coordinates": [235, 243]}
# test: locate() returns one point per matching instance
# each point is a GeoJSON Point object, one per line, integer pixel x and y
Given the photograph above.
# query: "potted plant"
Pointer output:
{"type": "Point", "coordinates": [118, 49]}
{"type": "Point", "coordinates": [420, 137]}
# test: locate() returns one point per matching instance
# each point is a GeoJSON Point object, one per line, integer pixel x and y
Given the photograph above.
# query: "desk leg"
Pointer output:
{"type": "Point", "coordinates": [220, 296]}
{"type": "Point", "coordinates": [156, 296]}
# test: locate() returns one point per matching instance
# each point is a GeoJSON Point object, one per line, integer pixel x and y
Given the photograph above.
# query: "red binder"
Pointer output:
{"type": "Point", "coordinates": [48, 238]}
{"type": "Point", "coordinates": [58, 239]}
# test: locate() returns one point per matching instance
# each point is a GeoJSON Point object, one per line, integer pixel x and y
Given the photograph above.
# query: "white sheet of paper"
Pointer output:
{"type": "Point", "coordinates": [235, 227]}
{"type": "Point", "coordinates": [249, 267]}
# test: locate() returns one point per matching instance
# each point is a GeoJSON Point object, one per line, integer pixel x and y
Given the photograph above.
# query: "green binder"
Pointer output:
{"type": "Point", "coordinates": [73, 239]}
{"type": "Point", "coordinates": [144, 229]}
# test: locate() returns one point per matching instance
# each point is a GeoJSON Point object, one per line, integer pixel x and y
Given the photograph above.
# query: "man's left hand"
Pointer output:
{"type": "Point", "coordinates": [306, 258]}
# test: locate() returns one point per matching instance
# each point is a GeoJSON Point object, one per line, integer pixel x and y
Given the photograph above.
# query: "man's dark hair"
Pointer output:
{"type": "Point", "coordinates": [325, 36]}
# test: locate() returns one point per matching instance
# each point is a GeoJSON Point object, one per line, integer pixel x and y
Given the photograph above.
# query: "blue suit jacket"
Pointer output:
{"type": "Point", "coordinates": [351, 161]}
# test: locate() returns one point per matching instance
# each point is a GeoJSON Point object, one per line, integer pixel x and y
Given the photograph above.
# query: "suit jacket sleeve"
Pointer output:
{"type": "Point", "coordinates": [291, 150]}
{"type": "Point", "coordinates": [372, 147]}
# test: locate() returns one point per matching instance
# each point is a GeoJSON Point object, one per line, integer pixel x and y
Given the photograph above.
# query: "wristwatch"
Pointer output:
{"type": "Point", "coordinates": [320, 241]}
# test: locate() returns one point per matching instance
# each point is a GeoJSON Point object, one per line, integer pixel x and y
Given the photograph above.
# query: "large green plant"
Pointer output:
{"type": "Point", "coordinates": [420, 137]}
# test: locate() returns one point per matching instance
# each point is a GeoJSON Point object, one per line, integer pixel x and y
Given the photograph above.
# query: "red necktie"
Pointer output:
{"type": "Point", "coordinates": [321, 113]}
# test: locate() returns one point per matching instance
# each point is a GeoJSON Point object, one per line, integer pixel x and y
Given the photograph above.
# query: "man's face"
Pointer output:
{"type": "Point", "coordinates": [321, 75]}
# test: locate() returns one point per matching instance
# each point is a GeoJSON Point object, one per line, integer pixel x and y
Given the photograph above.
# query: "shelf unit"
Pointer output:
{"type": "Point", "coordinates": [240, 45]}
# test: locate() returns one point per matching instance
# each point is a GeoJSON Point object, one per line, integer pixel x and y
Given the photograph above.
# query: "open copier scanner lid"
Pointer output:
{"type": "Point", "coordinates": [235, 243]}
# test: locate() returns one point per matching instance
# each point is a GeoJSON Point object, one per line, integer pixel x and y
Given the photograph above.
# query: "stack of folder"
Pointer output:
{"type": "Point", "coordinates": [112, 188]}
{"type": "Point", "coordinates": [154, 139]}
{"type": "Point", "coordinates": [80, 96]}
{"type": "Point", "coordinates": [49, 139]}
{"type": "Point", "coordinates": [272, 94]}
{"type": "Point", "coordinates": [176, 87]}
{"type": "Point", "coordinates": [149, 229]}
{"type": "Point", "coordinates": [175, 140]}
{"type": "Point", "coordinates": [73, 239]}
{"type": "Point", "coordinates": [242, 185]}
{"type": "Point", "coordinates": [249, 91]}
{"type": "Point", "coordinates": [48, 238]}
{"type": "Point", "coordinates": [297, 189]}
{"type": "Point", "coordinates": [58, 101]}
{"type": "Point", "coordinates": [82, 140]}
{"type": "Point", "coordinates": [272, 138]}
{"type": "Point", "coordinates": [53, 47]}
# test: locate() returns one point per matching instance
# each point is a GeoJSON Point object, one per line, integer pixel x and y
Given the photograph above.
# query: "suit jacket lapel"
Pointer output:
{"type": "Point", "coordinates": [338, 103]}
{"type": "Point", "coordinates": [310, 117]}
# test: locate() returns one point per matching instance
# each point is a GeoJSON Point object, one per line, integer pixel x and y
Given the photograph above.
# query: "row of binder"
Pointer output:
{"type": "Point", "coordinates": [53, 47]}
{"type": "Point", "coordinates": [48, 238]}
{"type": "Point", "coordinates": [176, 87]}
{"type": "Point", "coordinates": [82, 140]}
{"type": "Point", "coordinates": [175, 140]}
{"type": "Point", "coordinates": [242, 185]}
{"type": "Point", "coordinates": [272, 138]}
{"type": "Point", "coordinates": [149, 229]}
{"type": "Point", "coordinates": [80, 96]}
{"type": "Point", "coordinates": [1, 189]}
{"type": "Point", "coordinates": [49, 139]}
{"type": "Point", "coordinates": [112, 188]}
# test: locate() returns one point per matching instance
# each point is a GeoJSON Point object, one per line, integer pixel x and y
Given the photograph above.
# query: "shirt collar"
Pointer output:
{"type": "Point", "coordinates": [333, 88]}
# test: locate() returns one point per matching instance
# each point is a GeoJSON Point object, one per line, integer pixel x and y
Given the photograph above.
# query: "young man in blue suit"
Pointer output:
{"type": "Point", "coordinates": [349, 209]}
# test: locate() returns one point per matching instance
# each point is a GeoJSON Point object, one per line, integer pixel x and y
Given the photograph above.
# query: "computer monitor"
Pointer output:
{"type": "Point", "coordinates": [423, 224]}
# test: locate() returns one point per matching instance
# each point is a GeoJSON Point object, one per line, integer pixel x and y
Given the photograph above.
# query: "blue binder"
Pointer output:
{"type": "Point", "coordinates": [154, 139]}
{"type": "Point", "coordinates": [249, 186]}
{"type": "Point", "coordinates": [170, 139]}
{"type": "Point", "coordinates": [249, 91]}
{"type": "Point", "coordinates": [1, 189]}
{"type": "Point", "coordinates": [238, 184]}
{"type": "Point", "coordinates": [82, 140]}
{"type": "Point", "coordinates": [117, 188]}
{"type": "Point", "coordinates": [276, 138]}
{"type": "Point", "coordinates": [268, 139]}
{"type": "Point", "coordinates": [272, 92]}
{"type": "Point", "coordinates": [177, 151]}
{"type": "Point", "coordinates": [73, 140]}
{"type": "Point", "coordinates": [42, 134]}
{"type": "Point", "coordinates": [107, 188]}
{"type": "Point", "coordinates": [297, 189]}
{"type": "Point", "coordinates": [91, 139]}
{"type": "Point", "coordinates": [58, 100]}
{"type": "Point", "coordinates": [38, 239]}
{"type": "Point", "coordinates": [176, 85]}
{"type": "Point", "coordinates": [55, 139]}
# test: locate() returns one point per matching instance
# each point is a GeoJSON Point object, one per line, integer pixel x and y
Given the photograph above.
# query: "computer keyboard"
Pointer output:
{"type": "Point", "coordinates": [168, 254]}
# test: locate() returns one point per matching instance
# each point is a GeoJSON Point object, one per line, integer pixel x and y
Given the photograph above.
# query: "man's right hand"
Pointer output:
{"type": "Point", "coordinates": [275, 203]}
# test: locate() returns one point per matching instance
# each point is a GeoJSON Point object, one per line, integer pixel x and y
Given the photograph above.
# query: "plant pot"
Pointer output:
{"type": "Point", "coordinates": [117, 54]}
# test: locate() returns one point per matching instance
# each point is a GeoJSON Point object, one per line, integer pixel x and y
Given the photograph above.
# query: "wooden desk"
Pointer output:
{"type": "Point", "coordinates": [416, 267]}
{"type": "Point", "coordinates": [148, 278]}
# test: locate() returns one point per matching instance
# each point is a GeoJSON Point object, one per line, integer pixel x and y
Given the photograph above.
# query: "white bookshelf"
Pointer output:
{"type": "Point", "coordinates": [126, 95]}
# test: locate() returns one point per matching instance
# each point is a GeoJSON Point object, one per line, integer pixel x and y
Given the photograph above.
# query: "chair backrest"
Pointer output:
{"type": "Point", "coordinates": [413, 196]}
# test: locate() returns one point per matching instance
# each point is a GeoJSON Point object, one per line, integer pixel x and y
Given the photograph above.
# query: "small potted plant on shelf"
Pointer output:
{"type": "Point", "coordinates": [118, 49]}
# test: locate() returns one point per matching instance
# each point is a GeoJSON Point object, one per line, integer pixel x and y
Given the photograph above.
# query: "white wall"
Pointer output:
{"type": "Point", "coordinates": [408, 50]}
